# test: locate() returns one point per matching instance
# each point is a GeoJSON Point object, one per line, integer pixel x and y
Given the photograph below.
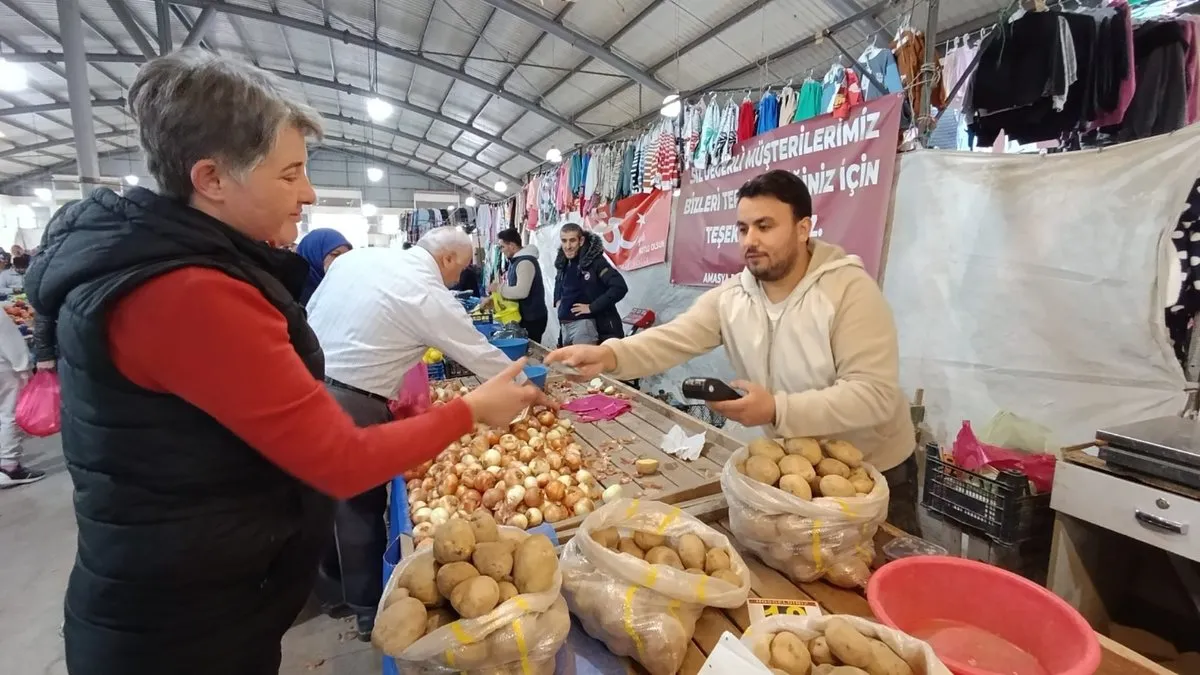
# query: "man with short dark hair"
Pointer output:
{"type": "Point", "coordinates": [523, 283]}
{"type": "Point", "coordinates": [586, 290]}
{"type": "Point", "coordinates": [809, 335]}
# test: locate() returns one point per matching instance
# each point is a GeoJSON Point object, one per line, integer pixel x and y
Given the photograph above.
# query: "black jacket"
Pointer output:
{"type": "Point", "coordinates": [45, 348]}
{"type": "Point", "coordinates": [195, 553]}
{"type": "Point", "coordinates": [605, 286]}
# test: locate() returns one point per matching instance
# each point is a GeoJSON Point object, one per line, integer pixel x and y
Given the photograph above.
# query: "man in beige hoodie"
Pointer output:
{"type": "Point", "coordinates": [809, 335]}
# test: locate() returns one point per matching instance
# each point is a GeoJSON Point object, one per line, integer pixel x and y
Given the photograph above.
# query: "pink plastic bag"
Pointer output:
{"type": "Point", "coordinates": [39, 405]}
{"type": "Point", "coordinates": [597, 407]}
{"type": "Point", "coordinates": [972, 454]}
{"type": "Point", "coordinates": [413, 398]}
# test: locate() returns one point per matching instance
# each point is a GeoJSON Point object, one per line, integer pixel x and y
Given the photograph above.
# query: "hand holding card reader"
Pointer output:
{"type": "Point", "coordinates": [708, 389]}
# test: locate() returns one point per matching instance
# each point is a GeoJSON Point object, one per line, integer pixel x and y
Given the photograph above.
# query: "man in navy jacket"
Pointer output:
{"type": "Point", "coordinates": [586, 289]}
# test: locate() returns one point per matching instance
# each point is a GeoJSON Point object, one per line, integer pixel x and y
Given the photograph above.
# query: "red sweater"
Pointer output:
{"type": "Point", "coordinates": [217, 343]}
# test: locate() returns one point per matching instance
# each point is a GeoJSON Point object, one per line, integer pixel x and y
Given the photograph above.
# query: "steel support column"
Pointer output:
{"type": "Point", "coordinates": [162, 14]}
{"type": "Point", "coordinates": [70, 24]}
{"type": "Point", "coordinates": [929, 72]}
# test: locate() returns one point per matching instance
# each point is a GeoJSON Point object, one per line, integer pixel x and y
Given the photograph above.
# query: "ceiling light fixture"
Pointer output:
{"type": "Point", "coordinates": [374, 174]}
{"type": "Point", "coordinates": [43, 194]}
{"type": "Point", "coordinates": [12, 76]}
{"type": "Point", "coordinates": [501, 187]}
{"type": "Point", "coordinates": [369, 210]}
{"type": "Point", "coordinates": [671, 106]}
{"type": "Point", "coordinates": [470, 201]}
{"type": "Point", "coordinates": [554, 155]}
{"type": "Point", "coordinates": [131, 179]}
{"type": "Point", "coordinates": [379, 110]}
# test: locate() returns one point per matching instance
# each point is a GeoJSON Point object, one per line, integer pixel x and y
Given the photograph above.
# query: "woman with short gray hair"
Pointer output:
{"type": "Point", "coordinates": [203, 447]}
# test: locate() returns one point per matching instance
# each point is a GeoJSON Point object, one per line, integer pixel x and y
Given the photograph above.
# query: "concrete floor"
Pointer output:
{"type": "Point", "coordinates": [37, 549]}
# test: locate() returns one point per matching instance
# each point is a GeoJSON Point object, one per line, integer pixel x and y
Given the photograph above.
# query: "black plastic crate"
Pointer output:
{"type": "Point", "coordinates": [1001, 508]}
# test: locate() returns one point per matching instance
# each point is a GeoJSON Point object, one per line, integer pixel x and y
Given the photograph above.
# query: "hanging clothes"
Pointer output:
{"type": "Point", "coordinates": [808, 104]}
{"type": "Point", "coordinates": [710, 128]}
{"type": "Point", "coordinates": [768, 113]}
{"type": "Point", "coordinates": [880, 63]}
{"type": "Point", "coordinates": [746, 124]}
{"type": "Point", "coordinates": [1160, 101]}
{"type": "Point", "coordinates": [1181, 314]}
{"type": "Point", "coordinates": [848, 95]}
{"type": "Point", "coordinates": [829, 86]}
{"type": "Point", "coordinates": [788, 100]}
{"type": "Point", "coordinates": [909, 51]}
{"type": "Point", "coordinates": [693, 122]}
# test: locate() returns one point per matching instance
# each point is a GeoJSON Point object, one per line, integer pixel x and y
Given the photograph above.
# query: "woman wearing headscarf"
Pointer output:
{"type": "Point", "coordinates": [320, 248]}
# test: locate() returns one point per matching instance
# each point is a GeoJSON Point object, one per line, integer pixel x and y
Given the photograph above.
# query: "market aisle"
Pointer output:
{"type": "Point", "coordinates": [37, 548]}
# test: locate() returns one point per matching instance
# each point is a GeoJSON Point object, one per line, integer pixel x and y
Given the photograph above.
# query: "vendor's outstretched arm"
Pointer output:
{"type": "Point", "coordinates": [867, 358]}
{"type": "Point", "coordinates": [697, 331]}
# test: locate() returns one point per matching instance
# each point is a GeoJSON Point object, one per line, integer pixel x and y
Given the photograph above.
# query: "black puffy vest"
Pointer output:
{"type": "Point", "coordinates": [195, 552]}
{"type": "Point", "coordinates": [532, 306]}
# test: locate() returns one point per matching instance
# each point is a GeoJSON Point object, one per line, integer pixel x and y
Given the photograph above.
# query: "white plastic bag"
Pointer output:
{"type": "Point", "coordinates": [521, 635]}
{"type": "Point", "coordinates": [830, 537]}
{"type": "Point", "coordinates": [918, 655]}
{"type": "Point", "coordinates": [647, 612]}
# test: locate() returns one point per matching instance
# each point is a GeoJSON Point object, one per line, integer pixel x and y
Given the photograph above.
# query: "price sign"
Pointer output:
{"type": "Point", "coordinates": [761, 608]}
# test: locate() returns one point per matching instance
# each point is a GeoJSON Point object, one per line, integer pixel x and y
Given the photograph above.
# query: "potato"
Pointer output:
{"type": "Point", "coordinates": [662, 555]}
{"type": "Point", "coordinates": [741, 467]}
{"type": "Point", "coordinates": [763, 470]}
{"type": "Point", "coordinates": [807, 448]}
{"type": "Point", "coordinates": [823, 669]}
{"type": "Point", "coordinates": [436, 618]}
{"type": "Point", "coordinates": [836, 486]}
{"type": "Point", "coordinates": [818, 648]}
{"type": "Point", "coordinates": [453, 541]}
{"type": "Point", "coordinates": [795, 465]}
{"type": "Point", "coordinates": [399, 626]}
{"type": "Point", "coordinates": [691, 550]}
{"type": "Point", "coordinates": [765, 447]}
{"type": "Point", "coordinates": [790, 654]}
{"type": "Point", "coordinates": [475, 597]}
{"type": "Point", "coordinates": [395, 596]}
{"type": "Point", "coordinates": [695, 570]}
{"type": "Point", "coordinates": [493, 559]}
{"type": "Point", "coordinates": [844, 452]}
{"type": "Point", "coordinates": [484, 526]}
{"type": "Point", "coordinates": [627, 545]}
{"type": "Point", "coordinates": [849, 573]}
{"type": "Point", "coordinates": [861, 480]}
{"type": "Point", "coordinates": [762, 651]}
{"type": "Point", "coordinates": [419, 579]}
{"type": "Point", "coordinates": [728, 576]}
{"type": "Point", "coordinates": [451, 575]}
{"type": "Point", "coordinates": [716, 559]}
{"type": "Point", "coordinates": [796, 486]}
{"type": "Point", "coordinates": [607, 537]}
{"type": "Point", "coordinates": [776, 671]}
{"type": "Point", "coordinates": [507, 591]}
{"type": "Point", "coordinates": [647, 540]}
{"type": "Point", "coordinates": [845, 670]}
{"type": "Point", "coordinates": [846, 644]}
{"type": "Point", "coordinates": [885, 661]}
{"type": "Point", "coordinates": [534, 565]}
{"type": "Point", "coordinates": [472, 655]}
{"type": "Point", "coordinates": [832, 467]}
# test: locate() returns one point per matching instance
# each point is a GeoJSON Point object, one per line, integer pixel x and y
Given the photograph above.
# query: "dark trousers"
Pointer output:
{"type": "Point", "coordinates": [905, 490]}
{"type": "Point", "coordinates": [534, 330]}
{"type": "Point", "coordinates": [360, 530]}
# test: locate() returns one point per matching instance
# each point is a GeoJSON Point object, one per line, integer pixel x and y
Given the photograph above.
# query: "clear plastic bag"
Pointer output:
{"type": "Point", "coordinates": [831, 537]}
{"type": "Point", "coordinates": [39, 405]}
{"type": "Point", "coordinates": [520, 636]}
{"type": "Point", "coordinates": [918, 655]}
{"type": "Point", "coordinates": [647, 612]}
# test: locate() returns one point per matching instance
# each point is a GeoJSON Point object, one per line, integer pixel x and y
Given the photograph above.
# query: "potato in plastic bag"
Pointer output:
{"type": "Point", "coordinates": [520, 636]}
{"type": "Point", "coordinates": [831, 537]}
{"type": "Point", "coordinates": [647, 612]}
{"type": "Point", "coordinates": [917, 654]}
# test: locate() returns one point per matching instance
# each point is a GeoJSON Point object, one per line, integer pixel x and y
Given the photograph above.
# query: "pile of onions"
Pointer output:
{"type": "Point", "coordinates": [532, 473]}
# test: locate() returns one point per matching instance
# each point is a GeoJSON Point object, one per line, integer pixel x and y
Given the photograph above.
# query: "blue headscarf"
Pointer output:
{"type": "Point", "coordinates": [313, 248]}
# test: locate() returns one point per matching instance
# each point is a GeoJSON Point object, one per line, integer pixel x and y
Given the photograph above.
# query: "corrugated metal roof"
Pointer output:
{"type": "Point", "coordinates": [534, 68]}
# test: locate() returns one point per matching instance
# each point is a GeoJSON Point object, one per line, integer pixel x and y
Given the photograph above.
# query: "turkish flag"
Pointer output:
{"type": "Point", "coordinates": [634, 230]}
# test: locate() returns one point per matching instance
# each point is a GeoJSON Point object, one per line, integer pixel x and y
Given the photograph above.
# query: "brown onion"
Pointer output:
{"type": "Point", "coordinates": [533, 496]}
{"type": "Point", "coordinates": [492, 437]}
{"type": "Point", "coordinates": [584, 506]}
{"type": "Point", "coordinates": [525, 454]}
{"type": "Point", "coordinates": [428, 483]}
{"type": "Point", "coordinates": [484, 482]}
{"type": "Point", "coordinates": [513, 477]}
{"type": "Point", "coordinates": [554, 513]}
{"type": "Point", "coordinates": [573, 461]}
{"type": "Point", "coordinates": [595, 491]}
{"type": "Point", "coordinates": [557, 443]}
{"type": "Point", "coordinates": [537, 442]}
{"type": "Point", "coordinates": [543, 479]}
{"type": "Point", "coordinates": [449, 484]}
{"type": "Point", "coordinates": [522, 435]}
{"type": "Point", "coordinates": [555, 491]}
{"type": "Point", "coordinates": [462, 490]}
{"type": "Point", "coordinates": [492, 497]}
{"type": "Point", "coordinates": [471, 501]}
{"type": "Point", "coordinates": [547, 418]}
{"type": "Point", "coordinates": [554, 459]}
{"type": "Point", "coordinates": [480, 444]}
{"type": "Point", "coordinates": [572, 497]}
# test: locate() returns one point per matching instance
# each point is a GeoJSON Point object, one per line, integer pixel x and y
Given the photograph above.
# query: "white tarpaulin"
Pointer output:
{"type": "Point", "coordinates": [1036, 284]}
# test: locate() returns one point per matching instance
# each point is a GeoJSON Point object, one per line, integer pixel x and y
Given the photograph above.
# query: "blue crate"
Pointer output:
{"type": "Point", "coordinates": [399, 522]}
{"type": "Point", "coordinates": [436, 371]}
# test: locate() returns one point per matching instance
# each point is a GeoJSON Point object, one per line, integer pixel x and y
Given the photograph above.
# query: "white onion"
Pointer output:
{"type": "Point", "coordinates": [439, 516]}
{"type": "Point", "coordinates": [422, 515]}
{"type": "Point", "coordinates": [536, 442]}
{"type": "Point", "coordinates": [492, 458]}
{"type": "Point", "coordinates": [565, 424]}
{"type": "Point", "coordinates": [595, 491]}
{"type": "Point", "coordinates": [535, 517]}
{"type": "Point", "coordinates": [530, 482]}
{"type": "Point", "coordinates": [612, 493]}
{"type": "Point", "coordinates": [518, 520]}
{"type": "Point", "coordinates": [419, 505]}
{"type": "Point", "coordinates": [583, 506]}
{"type": "Point", "coordinates": [422, 530]}
{"type": "Point", "coordinates": [583, 476]}
{"type": "Point", "coordinates": [553, 435]}
{"type": "Point", "coordinates": [567, 481]}
{"type": "Point", "coordinates": [515, 495]}
{"type": "Point", "coordinates": [494, 470]}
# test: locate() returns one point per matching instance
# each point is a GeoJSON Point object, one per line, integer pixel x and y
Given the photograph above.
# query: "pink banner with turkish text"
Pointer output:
{"type": "Point", "coordinates": [847, 164]}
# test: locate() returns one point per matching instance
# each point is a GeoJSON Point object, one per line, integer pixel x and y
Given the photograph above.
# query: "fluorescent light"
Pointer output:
{"type": "Point", "coordinates": [374, 174]}
{"type": "Point", "coordinates": [671, 106]}
{"type": "Point", "coordinates": [43, 194]}
{"type": "Point", "coordinates": [553, 155]}
{"type": "Point", "coordinates": [470, 201]}
{"type": "Point", "coordinates": [501, 186]}
{"type": "Point", "coordinates": [131, 179]}
{"type": "Point", "coordinates": [378, 110]}
{"type": "Point", "coordinates": [12, 76]}
{"type": "Point", "coordinates": [369, 210]}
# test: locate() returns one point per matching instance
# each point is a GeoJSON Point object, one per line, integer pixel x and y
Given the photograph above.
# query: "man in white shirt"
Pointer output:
{"type": "Point", "coordinates": [375, 313]}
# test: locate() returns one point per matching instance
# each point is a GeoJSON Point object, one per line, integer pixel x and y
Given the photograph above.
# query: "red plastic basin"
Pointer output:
{"type": "Point", "coordinates": [912, 593]}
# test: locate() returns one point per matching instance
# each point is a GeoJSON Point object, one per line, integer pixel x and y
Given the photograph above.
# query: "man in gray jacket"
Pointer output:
{"type": "Point", "coordinates": [522, 283]}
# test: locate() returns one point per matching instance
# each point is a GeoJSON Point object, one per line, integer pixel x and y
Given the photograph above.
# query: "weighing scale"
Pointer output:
{"type": "Point", "coordinates": [1165, 447]}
